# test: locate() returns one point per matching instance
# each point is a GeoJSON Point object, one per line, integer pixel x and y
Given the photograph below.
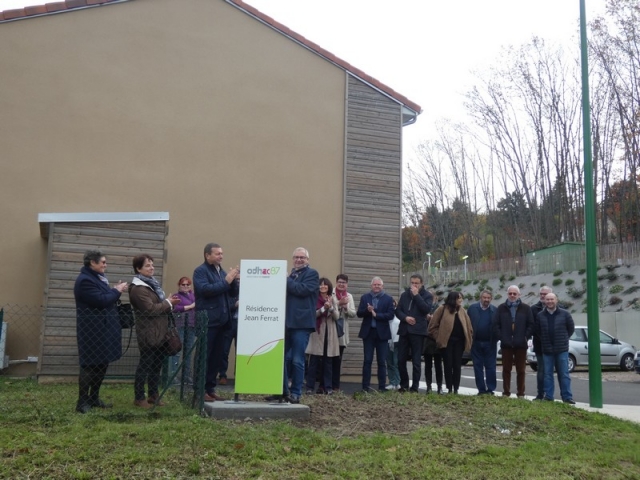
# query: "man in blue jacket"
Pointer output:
{"type": "Point", "coordinates": [303, 286]}
{"type": "Point", "coordinates": [484, 346]}
{"type": "Point", "coordinates": [554, 325]}
{"type": "Point", "coordinates": [376, 310]}
{"type": "Point", "coordinates": [214, 289]}
{"type": "Point", "coordinates": [413, 307]}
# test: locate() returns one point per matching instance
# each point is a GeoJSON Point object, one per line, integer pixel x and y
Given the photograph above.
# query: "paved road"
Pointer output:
{"type": "Point", "coordinates": [613, 392]}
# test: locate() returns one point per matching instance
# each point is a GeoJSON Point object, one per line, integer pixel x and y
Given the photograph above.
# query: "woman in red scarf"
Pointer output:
{"type": "Point", "coordinates": [323, 343]}
{"type": "Point", "coordinates": [347, 310]}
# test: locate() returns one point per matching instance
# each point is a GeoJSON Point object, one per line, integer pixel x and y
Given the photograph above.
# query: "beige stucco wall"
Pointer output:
{"type": "Point", "coordinates": [190, 107]}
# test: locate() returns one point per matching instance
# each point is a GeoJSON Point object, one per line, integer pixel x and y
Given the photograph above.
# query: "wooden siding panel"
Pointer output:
{"type": "Point", "coordinates": [120, 242]}
{"type": "Point", "coordinates": [373, 201]}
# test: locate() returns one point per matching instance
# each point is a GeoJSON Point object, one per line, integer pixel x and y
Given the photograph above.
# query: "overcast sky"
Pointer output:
{"type": "Point", "coordinates": [424, 49]}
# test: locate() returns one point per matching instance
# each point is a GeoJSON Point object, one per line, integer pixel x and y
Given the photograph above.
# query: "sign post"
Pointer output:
{"type": "Point", "coordinates": [261, 324]}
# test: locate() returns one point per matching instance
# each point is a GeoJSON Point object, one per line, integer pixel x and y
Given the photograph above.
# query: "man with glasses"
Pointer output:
{"type": "Point", "coordinates": [536, 308]}
{"type": "Point", "coordinates": [303, 286]}
{"type": "Point", "coordinates": [513, 326]}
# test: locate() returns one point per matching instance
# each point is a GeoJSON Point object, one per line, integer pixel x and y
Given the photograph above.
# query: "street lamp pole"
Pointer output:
{"type": "Point", "coordinates": [428, 254]}
{"type": "Point", "coordinates": [465, 266]}
{"type": "Point", "coordinates": [593, 318]}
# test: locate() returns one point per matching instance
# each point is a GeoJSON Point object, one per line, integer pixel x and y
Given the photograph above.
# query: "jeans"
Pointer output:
{"type": "Point", "coordinates": [413, 342]}
{"type": "Point", "coordinates": [561, 363]}
{"type": "Point", "coordinates": [215, 346]}
{"type": "Point", "coordinates": [483, 355]}
{"type": "Point", "coordinates": [148, 371]}
{"type": "Point", "coordinates": [511, 356]}
{"type": "Point", "coordinates": [370, 343]}
{"type": "Point", "coordinates": [540, 375]}
{"type": "Point", "coordinates": [392, 365]}
{"type": "Point", "coordinates": [295, 343]}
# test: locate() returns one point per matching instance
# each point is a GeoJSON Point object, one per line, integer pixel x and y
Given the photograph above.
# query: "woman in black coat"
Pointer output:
{"type": "Point", "coordinates": [97, 328]}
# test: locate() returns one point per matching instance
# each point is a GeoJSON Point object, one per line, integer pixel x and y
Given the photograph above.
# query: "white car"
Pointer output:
{"type": "Point", "coordinates": [613, 352]}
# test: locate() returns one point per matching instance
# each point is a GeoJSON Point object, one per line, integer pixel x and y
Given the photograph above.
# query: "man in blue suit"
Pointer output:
{"type": "Point", "coordinates": [214, 289]}
{"type": "Point", "coordinates": [376, 310]}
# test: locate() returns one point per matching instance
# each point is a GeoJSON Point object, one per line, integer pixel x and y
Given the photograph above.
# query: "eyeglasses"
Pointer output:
{"type": "Point", "coordinates": [185, 284]}
{"type": "Point", "coordinates": [299, 258]}
{"type": "Point", "coordinates": [512, 293]}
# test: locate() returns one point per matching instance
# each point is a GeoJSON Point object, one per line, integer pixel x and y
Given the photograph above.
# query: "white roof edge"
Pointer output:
{"type": "Point", "coordinates": [102, 217]}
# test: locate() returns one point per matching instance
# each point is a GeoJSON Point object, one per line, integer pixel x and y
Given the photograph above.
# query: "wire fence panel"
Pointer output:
{"type": "Point", "coordinates": [52, 343]}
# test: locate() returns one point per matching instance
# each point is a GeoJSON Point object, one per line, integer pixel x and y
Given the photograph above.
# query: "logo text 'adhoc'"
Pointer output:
{"type": "Point", "coordinates": [263, 271]}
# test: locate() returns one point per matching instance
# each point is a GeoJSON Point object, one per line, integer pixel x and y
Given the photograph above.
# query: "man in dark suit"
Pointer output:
{"type": "Point", "coordinates": [376, 310]}
{"type": "Point", "coordinates": [214, 289]}
{"type": "Point", "coordinates": [413, 307]}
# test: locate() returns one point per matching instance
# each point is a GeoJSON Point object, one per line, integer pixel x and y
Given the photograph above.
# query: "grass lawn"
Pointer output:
{"type": "Point", "coordinates": [391, 436]}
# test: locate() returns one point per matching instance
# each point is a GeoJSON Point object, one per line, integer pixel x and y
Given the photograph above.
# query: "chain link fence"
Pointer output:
{"type": "Point", "coordinates": [36, 341]}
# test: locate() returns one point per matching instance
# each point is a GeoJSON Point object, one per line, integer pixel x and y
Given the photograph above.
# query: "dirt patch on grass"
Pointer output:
{"type": "Point", "coordinates": [373, 413]}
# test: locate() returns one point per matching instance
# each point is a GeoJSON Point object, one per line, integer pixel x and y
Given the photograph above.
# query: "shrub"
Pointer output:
{"type": "Point", "coordinates": [503, 277]}
{"type": "Point", "coordinates": [467, 283]}
{"type": "Point", "coordinates": [566, 304]}
{"type": "Point", "coordinates": [488, 287]}
{"type": "Point", "coordinates": [484, 281]}
{"type": "Point", "coordinates": [616, 289]}
{"type": "Point", "coordinates": [542, 284]}
{"type": "Point", "coordinates": [576, 292]}
{"type": "Point", "coordinates": [521, 286]}
{"type": "Point", "coordinates": [534, 284]}
{"type": "Point", "coordinates": [497, 297]}
{"type": "Point", "coordinates": [468, 296]}
{"type": "Point", "coordinates": [476, 296]}
{"type": "Point", "coordinates": [476, 281]}
{"type": "Point", "coordinates": [556, 282]}
{"type": "Point", "coordinates": [557, 273]}
{"type": "Point", "coordinates": [628, 276]}
{"type": "Point", "coordinates": [611, 268]}
{"type": "Point", "coordinates": [501, 286]}
{"type": "Point", "coordinates": [569, 281]}
{"type": "Point", "coordinates": [632, 289]}
{"type": "Point", "coordinates": [458, 289]}
{"type": "Point", "coordinates": [581, 271]}
{"type": "Point", "coordinates": [614, 300]}
{"type": "Point", "coordinates": [611, 276]}
{"type": "Point", "coordinates": [512, 277]}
